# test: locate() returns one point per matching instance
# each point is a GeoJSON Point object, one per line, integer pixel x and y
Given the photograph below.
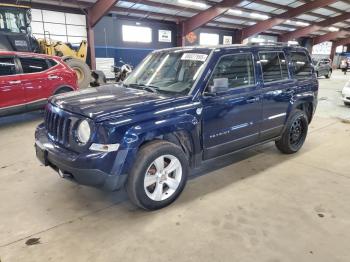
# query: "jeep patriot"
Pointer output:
{"type": "Point", "coordinates": [177, 109]}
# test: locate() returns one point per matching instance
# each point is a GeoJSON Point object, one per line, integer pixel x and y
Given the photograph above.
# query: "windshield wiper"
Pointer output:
{"type": "Point", "coordinates": [153, 89]}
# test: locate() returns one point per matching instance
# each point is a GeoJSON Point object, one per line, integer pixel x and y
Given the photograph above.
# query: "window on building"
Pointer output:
{"type": "Point", "coordinates": [7, 66]}
{"type": "Point", "coordinates": [274, 66]}
{"type": "Point", "coordinates": [238, 69]}
{"type": "Point", "coordinates": [137, 34]}
{"type": "Point", "coordinates": [301, 65]}
{"type": "Point", "coordinates": [33, 65]}
{"type": "Point", "coordinates": [208, 39]}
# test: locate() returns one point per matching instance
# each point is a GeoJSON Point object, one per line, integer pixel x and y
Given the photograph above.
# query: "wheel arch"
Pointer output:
{"type": "Point", "coordinates": [181, 137]}
{"type": "Point", "coordinates": [306, 102]}
{"type": "Point", "coordinates": [62, 87]}
{"type": "Point", "coordinates": [183, 131]}
{"type": "Point", "coordinates": [308, 108]}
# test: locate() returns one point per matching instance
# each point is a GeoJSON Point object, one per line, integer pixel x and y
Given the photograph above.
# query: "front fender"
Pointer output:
{"type": "Point", "coordinates": [157, 129]}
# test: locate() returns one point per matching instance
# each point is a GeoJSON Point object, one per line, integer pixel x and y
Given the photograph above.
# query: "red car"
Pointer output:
{"type": "Point", "coordinates": [27, 80]}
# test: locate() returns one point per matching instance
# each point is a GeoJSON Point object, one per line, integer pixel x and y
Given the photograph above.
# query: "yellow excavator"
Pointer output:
{"type": "Point", "coordinates": [15, 35]}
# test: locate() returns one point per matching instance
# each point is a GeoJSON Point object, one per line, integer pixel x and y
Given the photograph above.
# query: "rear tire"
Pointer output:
{"type": "Point", "coordinates": [158, 176]}
{"type": "Point", "coordinates": [347, 103]}
{"type": "Point", "coordinates": [295, 132]}
{"type": "Point", "coordinates": [329, 74]}
{"type": "Point", "coordinates": [82, 70]}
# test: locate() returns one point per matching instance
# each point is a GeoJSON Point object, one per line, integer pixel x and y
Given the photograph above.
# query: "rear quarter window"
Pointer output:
{"type": "Point", "coordinates": [302, 66]}
{"type": "Point", "coordinates": [51, 62]}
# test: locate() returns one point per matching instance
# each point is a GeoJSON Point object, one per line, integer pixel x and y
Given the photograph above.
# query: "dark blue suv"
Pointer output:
{"type": "Point", "coordinates": [179, 107]}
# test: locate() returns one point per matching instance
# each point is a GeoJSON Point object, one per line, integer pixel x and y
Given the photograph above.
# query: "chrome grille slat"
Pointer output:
{"type": "Point", "coordinates": [51, 122]}
{"type": "Point", "coordinates": [58, 127]}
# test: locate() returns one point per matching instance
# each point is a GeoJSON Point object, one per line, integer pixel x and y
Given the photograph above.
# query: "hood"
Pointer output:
{"type": "Point", "coordinates": [111, 101]}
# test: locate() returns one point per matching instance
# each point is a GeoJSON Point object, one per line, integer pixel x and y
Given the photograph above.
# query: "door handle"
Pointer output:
{"type": "Point", "coordinates": [15, 82]}
{"type": "Point", "coordinates": [253, 99]}
{"type": "Point", "coordinates": [52, 77]}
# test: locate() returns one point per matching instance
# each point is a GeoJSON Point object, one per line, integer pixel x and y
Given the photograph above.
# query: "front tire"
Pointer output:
{"type": "Point", "coordinates": [294, 134]}
{"type": "Point", "coordinates": [158, 176]}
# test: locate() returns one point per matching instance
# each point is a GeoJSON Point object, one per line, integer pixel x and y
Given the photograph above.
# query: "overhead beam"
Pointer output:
{"type": "Point", "coordinates": [343, 41]}
{"type": "Point", "coordinates": [208, 15]}
{"type": "Point", "coordinates": [285, 7]}
{"type": "Point", "coordinates": [329, 36]}
{"type": "Point", "coordinates": [98, 10]}
{"type": "Point", "coordinates": [314, 27]}
{"type": "Point", "coordinates": [281, 18]}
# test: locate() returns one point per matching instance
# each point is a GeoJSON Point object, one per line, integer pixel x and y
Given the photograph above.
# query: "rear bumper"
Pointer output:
{"type": "Point", "coordinates": [82, 168]}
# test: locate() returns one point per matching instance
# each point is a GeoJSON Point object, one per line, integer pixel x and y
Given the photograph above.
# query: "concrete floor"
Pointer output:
{"type": "Point", "coordinates": [258, 205]}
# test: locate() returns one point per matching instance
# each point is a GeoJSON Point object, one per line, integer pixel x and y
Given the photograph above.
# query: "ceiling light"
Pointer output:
{"type": "Point", "coordinates": [302, 23]}
{"type": "Point", "coordinates": [333, 29]}
{"type": "Point", "coordinates": [197, 4]}
{"type": "Point", "coordinates": [235, 12]}
{"type": "Point", "coordinates": [259, 16]}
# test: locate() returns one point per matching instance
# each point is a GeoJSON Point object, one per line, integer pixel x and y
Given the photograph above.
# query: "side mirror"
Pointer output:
{"type": "Point", "coordinates": [220, 85]}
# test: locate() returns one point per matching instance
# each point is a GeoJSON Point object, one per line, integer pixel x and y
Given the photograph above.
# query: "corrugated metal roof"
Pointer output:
{"type": "Point", "coordinates": [246, 13]}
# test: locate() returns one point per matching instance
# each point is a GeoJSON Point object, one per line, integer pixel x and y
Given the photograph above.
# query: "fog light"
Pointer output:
{"type": "Point", "coordinates": [104, 147]}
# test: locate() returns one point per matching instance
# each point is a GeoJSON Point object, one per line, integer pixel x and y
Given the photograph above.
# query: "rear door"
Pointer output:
{"type": "Point", "coordinates": [277, 91]}
{"type": "Point", "coordinates": [231, 118]}
{"type": "Point", "coordinates": [35, 79]}
{"type": "Point", "coordinates": [11, 89]}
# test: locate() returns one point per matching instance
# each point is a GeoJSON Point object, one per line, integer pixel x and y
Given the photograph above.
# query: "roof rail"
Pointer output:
{"type": "Point", "coordinates": [274, 44]}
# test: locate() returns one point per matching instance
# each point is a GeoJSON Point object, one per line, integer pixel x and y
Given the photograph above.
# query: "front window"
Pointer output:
{"type": "Point", "coordinates": [169, 72]}
{"type": "Point", "coordinates": [13, 21]}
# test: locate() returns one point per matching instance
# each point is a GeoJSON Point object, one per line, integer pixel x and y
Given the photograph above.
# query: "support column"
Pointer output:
{"type": "Point", "coordinates": [91, 46]}
{"type": "Point", "coordinates": [332, 55]}
{"type": "Point", "coordinates": [180, 41]}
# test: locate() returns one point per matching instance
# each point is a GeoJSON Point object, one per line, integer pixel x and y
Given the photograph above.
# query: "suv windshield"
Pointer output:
{"type": "Point", "coordinates": [171, 72]}
{"type": "Point", "coordinates": [13, 21]}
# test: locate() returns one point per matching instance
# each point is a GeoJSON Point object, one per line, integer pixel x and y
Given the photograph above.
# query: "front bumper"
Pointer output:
{"type": "Point", "coordinates": [97, 169]}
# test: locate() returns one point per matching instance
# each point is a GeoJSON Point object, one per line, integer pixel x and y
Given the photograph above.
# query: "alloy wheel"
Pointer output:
{"type": "Point", "coordinates": [163, 177]}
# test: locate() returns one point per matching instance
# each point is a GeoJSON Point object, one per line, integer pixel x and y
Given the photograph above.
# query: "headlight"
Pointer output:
{"type": "Point", "coordinates": [84, 132]}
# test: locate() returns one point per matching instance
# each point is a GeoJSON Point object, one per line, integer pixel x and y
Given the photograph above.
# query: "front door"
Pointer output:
{"type": "Point", "coordinates": [11, 89]}
{"type": "Point", "coordinates": [231, 117]}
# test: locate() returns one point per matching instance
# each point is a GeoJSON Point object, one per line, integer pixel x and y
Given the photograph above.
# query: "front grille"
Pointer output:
{"type": "Point", "coordinates": [58, 127]}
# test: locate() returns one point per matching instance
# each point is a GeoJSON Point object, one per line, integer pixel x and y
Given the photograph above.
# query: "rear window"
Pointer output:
{"type": "Point", "coordinates": [33, 65]}
{"type": "Point", "coordinates": [301, 65]}
{"type": "Point", "coordinates": [7, 66]}
{"type": "Point", "coordinates": [274, 66]}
